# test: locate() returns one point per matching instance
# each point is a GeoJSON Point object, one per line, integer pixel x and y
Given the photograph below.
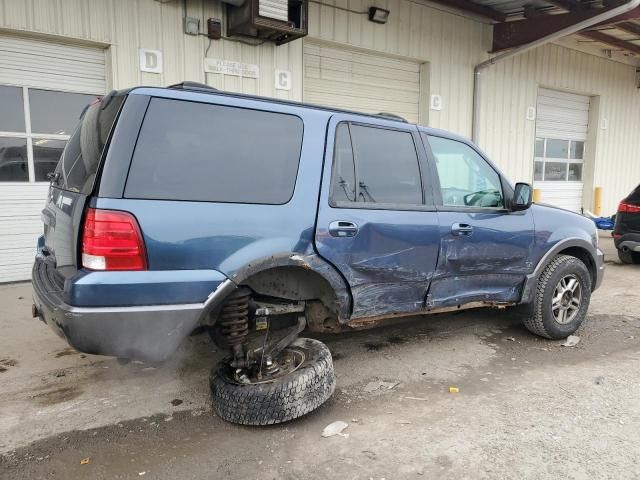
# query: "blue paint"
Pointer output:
{"type": "Point", "coordinates": [400, 260]}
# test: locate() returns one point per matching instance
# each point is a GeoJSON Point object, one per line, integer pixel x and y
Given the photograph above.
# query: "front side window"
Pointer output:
{"type": "Point", "coordinates": [375, 165]}
{"type": "Point", "coordinates": [466, 179]}
{"type": "Point", "coordinates": [214, 153]}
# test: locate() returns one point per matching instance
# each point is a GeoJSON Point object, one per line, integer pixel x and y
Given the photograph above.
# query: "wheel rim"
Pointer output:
{"type": "Point", "coordinates": [567, 299]}
{"type": "Point", "coordinates": [288, 361]}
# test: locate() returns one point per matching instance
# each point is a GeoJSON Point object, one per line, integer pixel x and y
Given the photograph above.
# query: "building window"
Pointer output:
{"type": "Point", "coordinates": [558, 160]}
{"type": "Point", "coordinates": [35, 125]}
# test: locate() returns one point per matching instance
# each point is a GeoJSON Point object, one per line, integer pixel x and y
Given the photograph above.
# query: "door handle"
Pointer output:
{"type": "Point", "coordinates": [343, 228]}
{"type": "Point", "coordinates": [461, 229]}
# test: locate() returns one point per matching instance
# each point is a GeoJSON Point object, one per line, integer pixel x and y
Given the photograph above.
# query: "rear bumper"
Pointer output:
{"type": "Point", "coordinates": [628, 241]}
{"type": "Point", "coordinates": [150, 333]}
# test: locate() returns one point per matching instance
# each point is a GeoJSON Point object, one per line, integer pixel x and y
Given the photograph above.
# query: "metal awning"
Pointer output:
{"type": "Point", "coordinates": [518, 22]}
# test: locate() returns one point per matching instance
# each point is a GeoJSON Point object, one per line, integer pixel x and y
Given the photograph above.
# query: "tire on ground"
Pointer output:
{"type": "Point", "coordinates": [281, 400]}
{"type": "Point", "coordinates": [629, 257]}
{"type": "Point", "coordinates": [540, 319]}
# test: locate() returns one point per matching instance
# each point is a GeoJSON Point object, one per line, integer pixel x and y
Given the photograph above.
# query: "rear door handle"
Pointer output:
{"type": "Point", "coordinates": [343, 228]}
{"type": "Point", "coordinates": [461, 229]}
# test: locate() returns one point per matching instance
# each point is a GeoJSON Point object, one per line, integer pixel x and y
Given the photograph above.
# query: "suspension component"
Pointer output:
{"type": "Point", "coordinates": [233, 323]}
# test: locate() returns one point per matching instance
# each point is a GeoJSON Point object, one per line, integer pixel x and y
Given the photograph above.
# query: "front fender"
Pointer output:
{"type": "Point", "coordinates": [531, 280]}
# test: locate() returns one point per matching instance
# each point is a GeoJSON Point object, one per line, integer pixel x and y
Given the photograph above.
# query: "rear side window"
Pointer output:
{"type": "Point", "coordinates": [202, 152]}
{"type": "Point", "coordinates": [386, 166]}
{"type": "Point", "coordinates": [76, 170]}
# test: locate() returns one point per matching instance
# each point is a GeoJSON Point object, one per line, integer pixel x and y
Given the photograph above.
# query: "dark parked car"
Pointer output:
{"type": "Point", "coordinates": [186, 207]}
{"type": "Point", "coordinates": [626, 233]}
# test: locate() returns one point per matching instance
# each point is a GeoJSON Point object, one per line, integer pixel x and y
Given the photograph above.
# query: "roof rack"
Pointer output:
{"type": "Point", "coordinates": [187, 85]}
{"type": "Point", "coordinates": [391, 116]}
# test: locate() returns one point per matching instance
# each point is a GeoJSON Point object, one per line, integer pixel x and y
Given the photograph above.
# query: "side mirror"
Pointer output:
{"type": "Point", "coordinates": [522, 197]}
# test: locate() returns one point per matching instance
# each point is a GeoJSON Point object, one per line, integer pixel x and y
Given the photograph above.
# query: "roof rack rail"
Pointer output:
{"type": "Point", "coordinates": [391, 116]}
{"type": "Point", "coordinates": [187, 85]}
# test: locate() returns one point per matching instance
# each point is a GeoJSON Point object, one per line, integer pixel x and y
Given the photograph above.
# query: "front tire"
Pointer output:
{"type": "Point", "coordinates": [282, 399]}
{"type": "Point", "coordinates": [562, 298]}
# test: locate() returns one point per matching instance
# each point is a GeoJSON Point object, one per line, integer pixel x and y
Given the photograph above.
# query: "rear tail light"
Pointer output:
{"type": "Point", "coordinates": [628, 208]}
{"type": "Point", "coordinates": [112, 240]}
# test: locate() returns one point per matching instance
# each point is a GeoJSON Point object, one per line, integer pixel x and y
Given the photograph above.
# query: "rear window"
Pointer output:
{"type": "Point", "coordinates": [202, 152]}
{"type": "Point", "coordinates": [634, 197]}
{"type": "Point", "coordinates": [80, 158]}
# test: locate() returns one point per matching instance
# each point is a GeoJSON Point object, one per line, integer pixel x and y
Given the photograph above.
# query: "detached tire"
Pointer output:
{"type": "Point", "coordinates": [282, 399]}
{"type": "Point", "coordinates": [561, 300]}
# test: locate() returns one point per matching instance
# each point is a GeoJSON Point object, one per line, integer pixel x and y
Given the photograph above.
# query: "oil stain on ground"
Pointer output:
{"type": "Point", "coordinates": [58, 395]}
{"type": "Point", "coordinates": [67, 351]}
{"type": "Point", "coordinates": [5, 363]}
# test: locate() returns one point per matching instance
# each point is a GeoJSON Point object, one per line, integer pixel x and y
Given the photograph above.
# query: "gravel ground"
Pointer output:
{"type": "Point", "coordinates": [526, 407]}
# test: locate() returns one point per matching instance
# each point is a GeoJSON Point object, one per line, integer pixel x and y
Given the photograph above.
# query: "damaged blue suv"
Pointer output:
{"type": "Point", "coordinates": [257, 219]}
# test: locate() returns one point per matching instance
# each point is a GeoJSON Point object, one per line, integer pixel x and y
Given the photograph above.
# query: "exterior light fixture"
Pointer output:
{"type": "Point", "coordinates": [378, 15]}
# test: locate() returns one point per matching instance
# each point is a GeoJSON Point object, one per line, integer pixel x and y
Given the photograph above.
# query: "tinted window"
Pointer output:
{"type": "Point", "coordinates": [79, 161]}
{"type": "Point", "coordinates": [466, 179]}
{"type": "Point", "coordinates": [343, 184]}
{"type": "Point", "coordinates": [386, 166]}
{"type": "Point", "coordinates": [197, 151]}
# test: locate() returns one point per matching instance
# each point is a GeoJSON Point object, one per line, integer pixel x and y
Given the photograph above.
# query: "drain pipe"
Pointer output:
{"type": "Point", "coordinates": [529, 46]}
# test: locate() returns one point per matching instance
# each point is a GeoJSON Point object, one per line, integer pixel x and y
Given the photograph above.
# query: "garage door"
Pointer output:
{"type": "Point", "coordinates": [352, 80]}
{"type": "Point", "coordinates": [561, 133]}
{"type": "Point", "coordinates": [43, 88]}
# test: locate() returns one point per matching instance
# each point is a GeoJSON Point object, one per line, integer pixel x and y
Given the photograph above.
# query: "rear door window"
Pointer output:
{"type": "Point", "coordinates": [214, 153]}
{"type": "Point", "coordinates": [386, 165]}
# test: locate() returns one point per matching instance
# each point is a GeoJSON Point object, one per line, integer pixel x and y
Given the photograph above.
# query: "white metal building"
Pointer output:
{"type": "Point", "coordinates": [563, 115]}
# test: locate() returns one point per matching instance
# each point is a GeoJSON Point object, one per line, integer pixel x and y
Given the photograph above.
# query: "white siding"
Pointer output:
{"type": "Point", "coordinates": [510, 87]}
{"type": "Point", "coordinates": [355, 80]}
{"type": "Point", "coordinates": [33, 62]}
{"type": "Point", "coordinates": [20, 226]}
{"type": "Point", "coordinates": [128, 25]}
{"type": "Point", "coordinates": [449, 43]}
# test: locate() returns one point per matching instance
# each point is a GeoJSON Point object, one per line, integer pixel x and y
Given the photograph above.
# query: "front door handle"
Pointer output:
{"type": "Point", "coordinates": [343, 228]}
{"type": "Point", "coordinates": [461, 229]}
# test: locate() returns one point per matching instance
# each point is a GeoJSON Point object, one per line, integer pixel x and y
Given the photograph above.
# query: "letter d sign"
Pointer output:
{"type": "Point", "coordinates": [150, 61]}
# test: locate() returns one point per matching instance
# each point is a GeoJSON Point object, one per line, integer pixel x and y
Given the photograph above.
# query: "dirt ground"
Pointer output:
{"type": "Point", "coordinates": [526, 407]}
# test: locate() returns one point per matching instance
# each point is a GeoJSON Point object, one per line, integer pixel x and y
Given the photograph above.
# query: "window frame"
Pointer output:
{"type": "Point", "coordinates": [422, 163]}
{"type": "Point", "coordinates": [568, 161]}
{"type": "Point", "coordinates": [507, 190]}
{"type": "Point", "coordinates": [30, 136]}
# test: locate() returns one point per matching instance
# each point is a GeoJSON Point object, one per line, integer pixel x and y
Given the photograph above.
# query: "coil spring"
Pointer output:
{"type": "Point", "coordinates": [234, 318]}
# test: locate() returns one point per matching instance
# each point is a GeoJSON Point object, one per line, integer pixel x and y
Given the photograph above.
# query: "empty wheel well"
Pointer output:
{"type": "Point", "coordinates": [294, 283]}
{"type": "Point", "coordinates": [586, 258]}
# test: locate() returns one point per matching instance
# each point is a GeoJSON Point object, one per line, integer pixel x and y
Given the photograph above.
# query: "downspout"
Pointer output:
{"type": "Point", "coordinates": [529, 46]}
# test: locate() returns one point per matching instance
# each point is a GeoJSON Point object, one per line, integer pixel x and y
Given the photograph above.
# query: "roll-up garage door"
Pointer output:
{"type": "Point", "coordinates": [561, 133]}
{"type": "Point", "coordinates": [366, 82]}
{"type": "Point", "coordinates": [44, 85]}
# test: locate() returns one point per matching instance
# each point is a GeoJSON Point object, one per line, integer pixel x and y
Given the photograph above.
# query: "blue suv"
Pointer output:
{"type": "Point", "coordinates": [184, 207]}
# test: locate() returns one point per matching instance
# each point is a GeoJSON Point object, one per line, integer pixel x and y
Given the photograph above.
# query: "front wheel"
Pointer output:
{"type": "Point", "coordinates": [298, 381]}
{"type": "Point", "coordinates": [562, 298]}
